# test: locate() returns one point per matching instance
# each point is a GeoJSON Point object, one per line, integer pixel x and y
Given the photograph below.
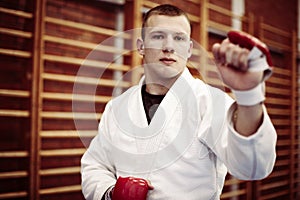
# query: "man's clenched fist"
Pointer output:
{"type": "Point", "coordinates": [243, 60]}
{"type": "Point", "coordinates": [130, 188]}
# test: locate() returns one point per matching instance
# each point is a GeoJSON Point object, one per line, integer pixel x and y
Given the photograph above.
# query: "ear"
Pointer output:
{"type": "Point", "coordinates": [190, 51]}
{"type": "Point", "coordinates": [140, 46]}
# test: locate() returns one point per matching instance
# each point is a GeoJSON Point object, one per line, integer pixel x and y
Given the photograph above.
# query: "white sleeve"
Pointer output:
{"type": "Point", "coordinates": [97, 171]}
{"type": "Point", "coordinates": [246, 158]}
{"type": "Point", "coordinates": [253, 157]}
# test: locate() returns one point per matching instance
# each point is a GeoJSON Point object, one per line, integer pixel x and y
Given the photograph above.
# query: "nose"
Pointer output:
{"type": "Point", "coordinates": [168, 46]}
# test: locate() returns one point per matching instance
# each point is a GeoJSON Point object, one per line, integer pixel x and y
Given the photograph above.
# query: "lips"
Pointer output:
{"type": "Point", "coordinates": [167, 61]}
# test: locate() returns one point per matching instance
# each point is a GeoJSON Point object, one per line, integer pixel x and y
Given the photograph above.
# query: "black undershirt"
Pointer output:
{"type": "Point", "coordinates": [150, 102]}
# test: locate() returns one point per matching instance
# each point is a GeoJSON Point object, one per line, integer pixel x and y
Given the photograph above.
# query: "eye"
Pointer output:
{"type": "Point", "coordinates": [157, 36]}
{"type": "Point", "coordinates": [179, 38]}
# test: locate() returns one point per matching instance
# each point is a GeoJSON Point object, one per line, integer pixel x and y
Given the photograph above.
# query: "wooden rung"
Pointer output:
{"type": "Point", "coordinates": [276, 101]}
{"type": "Point", "coordinates": [14, 113]}
{"type": "Point", "coordinates": [15, 174]}
{"type": "Point", "coordinates": [283, 142]}
{"type": "Point", "coordinates": [275, 30]}
{"type": "Point", "coordinates": [210, 55]}
{"type": "Point", "coordinates": [281, 71]}
{"type": "Point", "coordinates": [149, 4]}
{"type": "Point", "coordinates": [283, 152]}
{"type": "Point", "coordinates": [13, 154]}
{"type": "Point", "coordinates": [233, 193]}
{"type": "Point", "coordinates": [277, 111]}
{"type": "Point", "coordinates": [199, 52]}
{"type": "Point", "coordinates": [274, 185]}
{"type": "Point", "coordinates": [282, 122]}
{"type": "Point", "coordinates": [75, 97]}
{"type": "Point", "coordinates": [224, 11]}
{"type": "Point", "coordinates": [232, 181]}
{"type": "Point", "coordinates": [85, 62]}
{"type": "Point", "coordinates": [13, 195]}
{"type": "Point", "coordinates": [17, 53]}
{"type": "Point", "coordinates": [86, 45]}
{"type": "Point", "coordinates": [194, 1]}
{"type": "Point", "coordinates": [62, 152]}
{"type": "Point", "coordinates": [194, 65]}
{"type": "Point", "coordinates": [277, 45]}
{"type": "Point", "coordinates": [283, 131]}
{"type": "Point", "coordinates": [70, 115]}
{"type": "Point", "coordinates": [68, 133]}
{"type": "Point", "coordinates": [18, 33]}
{"type": "Point", "coordinates": [58, 190]}
{"type": "Point", "coordinates": [59, 171]}
{"type": "Point", "coordinates": [273, 90]}
{"type": "Point", "coordinates": [280, 163]}
{"type": "Point", "coordinates": [279, 173]}
{"type": "Point", "coordinates": [14, 93]}
{"type": "Point", "coordinates": [219, 26]}
{"type": "Point", "coordinates": [280, 81]}
{"type": "Point", "coordinates": [18, 13]}
{"type": "Point", "coordinates": [193, 18]}
{"type": "Point", "coordinates": [276, 70]}
{"type": "Point", "coordinates": [213, 81]}
{"type": "Point", "coordinates": [86, 27]}
{"type": "Point", "coordinates": [274, 194]}
{"type": "Point", "coordinates": [85, 80]}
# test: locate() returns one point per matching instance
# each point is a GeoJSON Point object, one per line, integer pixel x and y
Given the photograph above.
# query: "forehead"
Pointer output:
{"type": "Point", "coordinates": [178, 24]}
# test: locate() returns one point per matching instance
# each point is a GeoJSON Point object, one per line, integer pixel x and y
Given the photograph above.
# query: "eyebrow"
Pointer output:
{"type": "Point", "coordinates": [159, 31]}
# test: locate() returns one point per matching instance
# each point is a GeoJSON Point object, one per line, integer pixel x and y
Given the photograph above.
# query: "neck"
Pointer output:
{"type": "Point", "coordinates": [159, 85]}
{"type": "Point", "coordinates": [156, 89]}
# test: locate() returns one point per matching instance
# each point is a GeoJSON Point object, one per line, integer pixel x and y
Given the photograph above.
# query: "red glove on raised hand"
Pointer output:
{"type": "Point", "coordinates": [130, 188]}
{"type": "Point", "coordinates": [258, 60]}
{"type": "Point", "coordinates": [255, 58]}
{"type": "Point", "coordinates": [247, 41]}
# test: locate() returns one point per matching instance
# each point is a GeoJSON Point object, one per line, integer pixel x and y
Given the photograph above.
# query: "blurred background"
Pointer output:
{"type": "Point", "coordinates": [44, 43]}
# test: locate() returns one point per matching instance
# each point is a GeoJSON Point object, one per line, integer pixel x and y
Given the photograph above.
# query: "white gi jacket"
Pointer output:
{"type": "Point", "coordinates": [185, 151]}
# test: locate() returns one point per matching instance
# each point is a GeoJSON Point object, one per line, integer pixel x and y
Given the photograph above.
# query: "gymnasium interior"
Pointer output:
{"type": "Point", "coordinates": [63, 60]}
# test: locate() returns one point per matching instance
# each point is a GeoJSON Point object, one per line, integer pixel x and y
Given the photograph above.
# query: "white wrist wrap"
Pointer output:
{"type": "Point", "coordinates": [257, 62]}
{"type": "Point", "coordinates": [250, 97]}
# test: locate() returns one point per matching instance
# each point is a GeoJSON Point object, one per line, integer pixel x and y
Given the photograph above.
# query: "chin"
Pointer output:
{"type": "Point", "coordinates": [169, 72]}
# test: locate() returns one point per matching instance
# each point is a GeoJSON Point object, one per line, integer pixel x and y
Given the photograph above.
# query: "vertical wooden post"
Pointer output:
{"type": "Point", "coordinates": [203, 38]}
{"type": "Point", "coordinates": [36, 101]}
{"type": "Point", "coordinates": [251, 23]}
{"type": "Point", "coordinates": [203, 24]}
{"type": "Point", "coordinates": [249, 189]}
{"type": "Point", "coordinates": [133, 16]}
{"type": "Point", "coordinates": [293, 112]}
{"type": "Point", "coordinates": [261, 29]}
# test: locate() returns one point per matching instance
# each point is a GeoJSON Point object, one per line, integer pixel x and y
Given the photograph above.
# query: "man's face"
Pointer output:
{"type": "Point", "coordinates": [167, 46]}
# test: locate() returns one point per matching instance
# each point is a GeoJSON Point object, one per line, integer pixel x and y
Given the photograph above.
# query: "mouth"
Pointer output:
{"type": "Point", "coordinates": [167, 61]}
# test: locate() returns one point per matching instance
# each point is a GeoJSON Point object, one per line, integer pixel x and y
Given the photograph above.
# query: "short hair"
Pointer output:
{"type": "Point", "coordinates": [164, 9]}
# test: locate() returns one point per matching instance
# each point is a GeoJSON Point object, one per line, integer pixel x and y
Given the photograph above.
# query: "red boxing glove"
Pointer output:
{"type": "Point", "coordinates": [247, 41]}
{"type": "Point", "coordinates": [259, 58]}
{"type": "Point", "coordinates": [130, 188]}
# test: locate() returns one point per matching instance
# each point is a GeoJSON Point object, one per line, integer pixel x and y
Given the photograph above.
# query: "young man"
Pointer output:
{"type": "Point", "coordinates": [173, 136]}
